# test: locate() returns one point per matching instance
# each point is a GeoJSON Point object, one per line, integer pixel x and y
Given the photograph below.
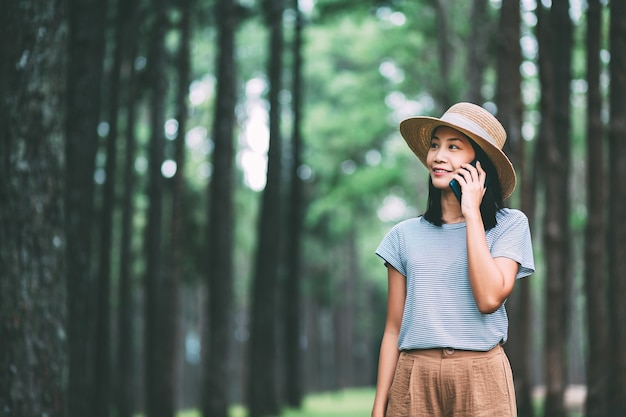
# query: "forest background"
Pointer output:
{"type": "Point", "coordinates": [192, 191]}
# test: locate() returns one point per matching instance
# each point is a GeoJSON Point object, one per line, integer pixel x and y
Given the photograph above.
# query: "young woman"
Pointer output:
{"type": "Point", "coordinates": [450, 272]}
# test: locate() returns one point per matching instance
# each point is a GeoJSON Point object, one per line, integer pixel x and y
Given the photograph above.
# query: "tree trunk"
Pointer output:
{"type": "Point", "coordinates": [595, 259]}
{"type": "Point", "coordinates": [345, 313]}
{"type": "Point", "coordinates": [33, 355]}
{"type": "Point", "coordinates": [313, 371]}
{"type": "Point", "coordinates": [220, 234]}
{"type": "Point", "coordinates": [174, 277]}
{"type": "Point", "coordinates": [521, 338]}
{"type": "Point", "coordinates": [444, 47]}
{"type": "Point", "coordinates": [262, 383]}
{"type": "Point", "coordinates": [540, 159]}
{"type": "Point", "coordinates": [125, 366]}
{"type": "Point", "coordinates": [343, 303]}
{"type": "Point", "coordinates": [510, 112]}
{"type": "Point", "coordinates": [556, 220]}
{"type": "Point", "coordinates": [102, 387]}
{"type": "Point", "coordinates": [477, 45]}
{"type": "Point", "coordinates": [159, 397]}
{"type": "Point", "coordinates": [617, 235]}
{"type": "Point", "coordinates": [509, 81]}
{"type": "Point", "coordinates": [292, 314]}
{"type": "Point", "coordinates": [84, 80]}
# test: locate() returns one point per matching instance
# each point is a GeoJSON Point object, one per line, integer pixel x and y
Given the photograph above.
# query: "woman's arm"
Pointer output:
{"type": "Point", "coordinates": [491, 279]}
{"type": "Point", "coordinates": [389, 346]}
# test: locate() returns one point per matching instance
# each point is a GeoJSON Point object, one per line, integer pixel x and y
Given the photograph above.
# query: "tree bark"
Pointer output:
{"type": "Point", "coordinates": [33, 355]}
{"type": "Point", "coordinates": [174, 276]}
{"type": "Point", "coordinates": [617, 229]}
{"type": "Point", "coordinates": [84, 81]}
{"type": "Point", "coordinates": [217, 378]}
{"type": "Point", "coordinates": [509, 81]}
{"type": "Point", "coordinates": [556, 219]}
{"type": "Point", "coordinates": [343, 317]}
{"type": "Point", "coordinates": [595, 231]}
{"type": "Point", "coordinates": [510, 113]}
{"type": "Point", "coordinates": [444, 48]}
{"type": "Point", "coordinates": [126, 368]}
{"type": "Point", "coordinates": [102, 387]}
{"type": "Point", "coordinates": [262, 382]}
{"type": "Point", "coordinates": [159, 397]}
{"type": "Point", "coordinates": [477, 46]}
{"type": "Point", "coordinates": [292, 304]}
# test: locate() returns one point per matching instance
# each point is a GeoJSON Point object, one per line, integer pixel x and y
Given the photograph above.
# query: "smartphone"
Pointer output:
{"type": "Point", "coordinates": [456, 187]}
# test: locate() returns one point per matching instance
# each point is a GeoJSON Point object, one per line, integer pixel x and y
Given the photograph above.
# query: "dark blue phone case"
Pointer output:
{"type": "Point", "coordinates": [456, 187]}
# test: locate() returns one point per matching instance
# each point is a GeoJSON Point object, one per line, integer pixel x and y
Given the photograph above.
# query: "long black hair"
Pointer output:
{"type": "Point", "coordinates": [492, 200]}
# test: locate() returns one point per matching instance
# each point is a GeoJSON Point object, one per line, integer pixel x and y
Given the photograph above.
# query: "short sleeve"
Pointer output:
{"type": "Point", "coordinates": [512, 240]}
{"type": "Point", "coordinates": [391, 250]}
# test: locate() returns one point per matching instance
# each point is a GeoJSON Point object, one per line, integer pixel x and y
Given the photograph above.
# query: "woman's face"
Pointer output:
{"type": "Point", "coordinates": [449, 149]}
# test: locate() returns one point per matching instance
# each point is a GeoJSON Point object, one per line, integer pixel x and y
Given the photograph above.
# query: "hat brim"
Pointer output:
{"type": "Point", "coordinates": [417, 132]}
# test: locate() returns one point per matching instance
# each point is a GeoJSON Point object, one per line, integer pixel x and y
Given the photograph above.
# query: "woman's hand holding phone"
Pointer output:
{"type": "Point", "coordinates": [471, 177]}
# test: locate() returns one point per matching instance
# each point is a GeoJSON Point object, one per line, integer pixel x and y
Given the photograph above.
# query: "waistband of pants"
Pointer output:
{"type": "Point", "coordinates": [450, 353]}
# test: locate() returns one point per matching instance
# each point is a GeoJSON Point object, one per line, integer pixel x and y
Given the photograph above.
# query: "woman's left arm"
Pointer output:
{"type": "Point", "coordinates": [491, 279]}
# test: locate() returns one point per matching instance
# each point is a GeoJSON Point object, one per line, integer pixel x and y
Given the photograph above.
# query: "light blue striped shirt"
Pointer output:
{"type": "Point", "coordinates": [440, 310]}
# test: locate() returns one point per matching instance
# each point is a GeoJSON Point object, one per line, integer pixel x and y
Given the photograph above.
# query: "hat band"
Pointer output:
{"type": "Point", "coordinates": [467, 124]}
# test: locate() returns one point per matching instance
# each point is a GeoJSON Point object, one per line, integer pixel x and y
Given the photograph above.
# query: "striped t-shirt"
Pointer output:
{"type": "Point", "coordinates": [440, 310]}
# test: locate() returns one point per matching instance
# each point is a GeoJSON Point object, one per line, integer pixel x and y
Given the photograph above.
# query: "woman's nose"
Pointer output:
{"type": "Point", "coordinates": [440, 156]}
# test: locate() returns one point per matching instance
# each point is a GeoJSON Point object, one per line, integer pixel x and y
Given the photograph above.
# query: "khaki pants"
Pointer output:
{"type": "Point", "coordinates": [448, 382]}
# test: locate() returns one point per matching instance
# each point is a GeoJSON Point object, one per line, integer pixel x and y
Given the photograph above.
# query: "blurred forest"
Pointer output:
{"type": "Point", "coordinates": [192, 192]}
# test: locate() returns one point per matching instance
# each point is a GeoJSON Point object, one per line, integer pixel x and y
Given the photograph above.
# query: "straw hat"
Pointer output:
{"type": "Point", "coordinates": [474, 121]}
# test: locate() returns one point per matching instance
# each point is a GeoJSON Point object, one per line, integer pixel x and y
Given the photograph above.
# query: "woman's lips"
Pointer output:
{"type": "Point", "coordinates": [440, 172]}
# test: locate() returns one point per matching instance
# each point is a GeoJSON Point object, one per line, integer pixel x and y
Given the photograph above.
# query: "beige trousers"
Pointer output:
{"type": "Point", "coordinates": [452, 383]}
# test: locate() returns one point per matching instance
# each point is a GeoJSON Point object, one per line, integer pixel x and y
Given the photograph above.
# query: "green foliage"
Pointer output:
{"type": "Point", "coordinates": [345, 117]}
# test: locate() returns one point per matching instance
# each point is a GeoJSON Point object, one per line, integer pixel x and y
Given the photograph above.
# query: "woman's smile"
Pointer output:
{"type": "Point", "coordinates": [440, 172]}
